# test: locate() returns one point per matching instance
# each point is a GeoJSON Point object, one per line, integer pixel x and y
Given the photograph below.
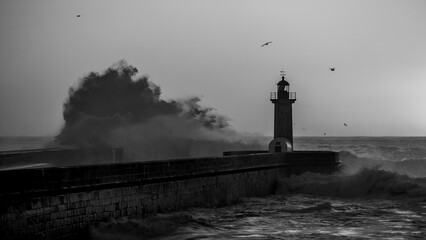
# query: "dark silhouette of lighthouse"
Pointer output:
{"type": "Point", "coordinates": [283, 117]}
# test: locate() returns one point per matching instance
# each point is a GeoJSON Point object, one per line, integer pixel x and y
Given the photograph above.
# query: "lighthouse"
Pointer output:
{"type": "Point", "coordinates": [283, 117]}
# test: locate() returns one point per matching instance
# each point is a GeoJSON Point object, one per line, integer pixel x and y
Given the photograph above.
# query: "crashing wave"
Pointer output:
{"type": "Point", "coordinates": [366, 183]}
{"type": "Point", "coordinates": [414, 167]}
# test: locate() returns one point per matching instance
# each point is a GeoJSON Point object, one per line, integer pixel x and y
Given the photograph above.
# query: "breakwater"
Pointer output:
{"type": "Point", "coordinates": [62, 202]}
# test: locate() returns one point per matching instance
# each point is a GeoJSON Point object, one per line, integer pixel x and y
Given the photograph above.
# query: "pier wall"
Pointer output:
{"type": "Point", "coordinates": [61, 203]}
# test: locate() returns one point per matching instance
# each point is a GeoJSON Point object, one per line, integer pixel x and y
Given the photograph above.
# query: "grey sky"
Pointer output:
{"type": "Point", "coordinates": [212, 49]}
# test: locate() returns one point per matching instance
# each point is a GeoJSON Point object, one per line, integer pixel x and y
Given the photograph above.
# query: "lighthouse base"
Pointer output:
{"type": "Point", "coordinates": [280, 145]}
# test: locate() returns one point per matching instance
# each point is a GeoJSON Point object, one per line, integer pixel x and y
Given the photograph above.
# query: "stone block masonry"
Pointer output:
{"type": "Point", "coordinates": [61, 203]}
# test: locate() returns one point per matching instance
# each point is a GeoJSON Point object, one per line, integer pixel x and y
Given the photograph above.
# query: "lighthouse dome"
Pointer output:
{"type": "Point", "coordinates": [283, 83]}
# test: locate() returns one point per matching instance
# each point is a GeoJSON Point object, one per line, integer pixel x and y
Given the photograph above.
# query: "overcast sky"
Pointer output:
{"type": "Point", "coordinates": [212, 49]}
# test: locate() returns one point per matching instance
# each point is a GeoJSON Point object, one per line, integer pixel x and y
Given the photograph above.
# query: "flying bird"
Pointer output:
{"type": "Point", "coordinates": [345, 124]}
{"type": "Point", "coordinates": [266, 44]}
{"type": "Point", "coordinates": [332, 69]}
{"type": "Point", "coordinates": [78, 15]}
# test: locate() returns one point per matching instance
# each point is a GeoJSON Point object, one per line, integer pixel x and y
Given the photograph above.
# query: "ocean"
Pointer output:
{"type": "Point", "coordinates": [380, 194]}
{"type": "Point", "coordinates": [23, 143]}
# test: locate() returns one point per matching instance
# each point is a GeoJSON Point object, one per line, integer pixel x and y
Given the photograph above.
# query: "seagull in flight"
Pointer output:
{"type": "Point", "coordinates": [332, 69]}
{"type": "Point", "coordinates": [266, 44]}
{"type": "Point", "coordinates": [345, 124]}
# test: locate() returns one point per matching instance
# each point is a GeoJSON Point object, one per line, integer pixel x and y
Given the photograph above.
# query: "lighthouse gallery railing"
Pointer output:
{"type": "Point", "coordinates": [274, 95]}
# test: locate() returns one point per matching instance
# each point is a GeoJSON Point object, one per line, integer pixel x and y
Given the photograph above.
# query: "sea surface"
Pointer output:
{"type": "Point", "coordinates": [380, 194]}
{"type": "Point", "coordinates": [23, 143]}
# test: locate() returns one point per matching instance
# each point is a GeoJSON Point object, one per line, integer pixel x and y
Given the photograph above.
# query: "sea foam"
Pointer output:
{"type": "Point", "coordinates": [138, 228]}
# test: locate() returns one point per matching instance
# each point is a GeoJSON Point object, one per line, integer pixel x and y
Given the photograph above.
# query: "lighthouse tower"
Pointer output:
{"type": "Point", "coordinates": [283, 117]}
